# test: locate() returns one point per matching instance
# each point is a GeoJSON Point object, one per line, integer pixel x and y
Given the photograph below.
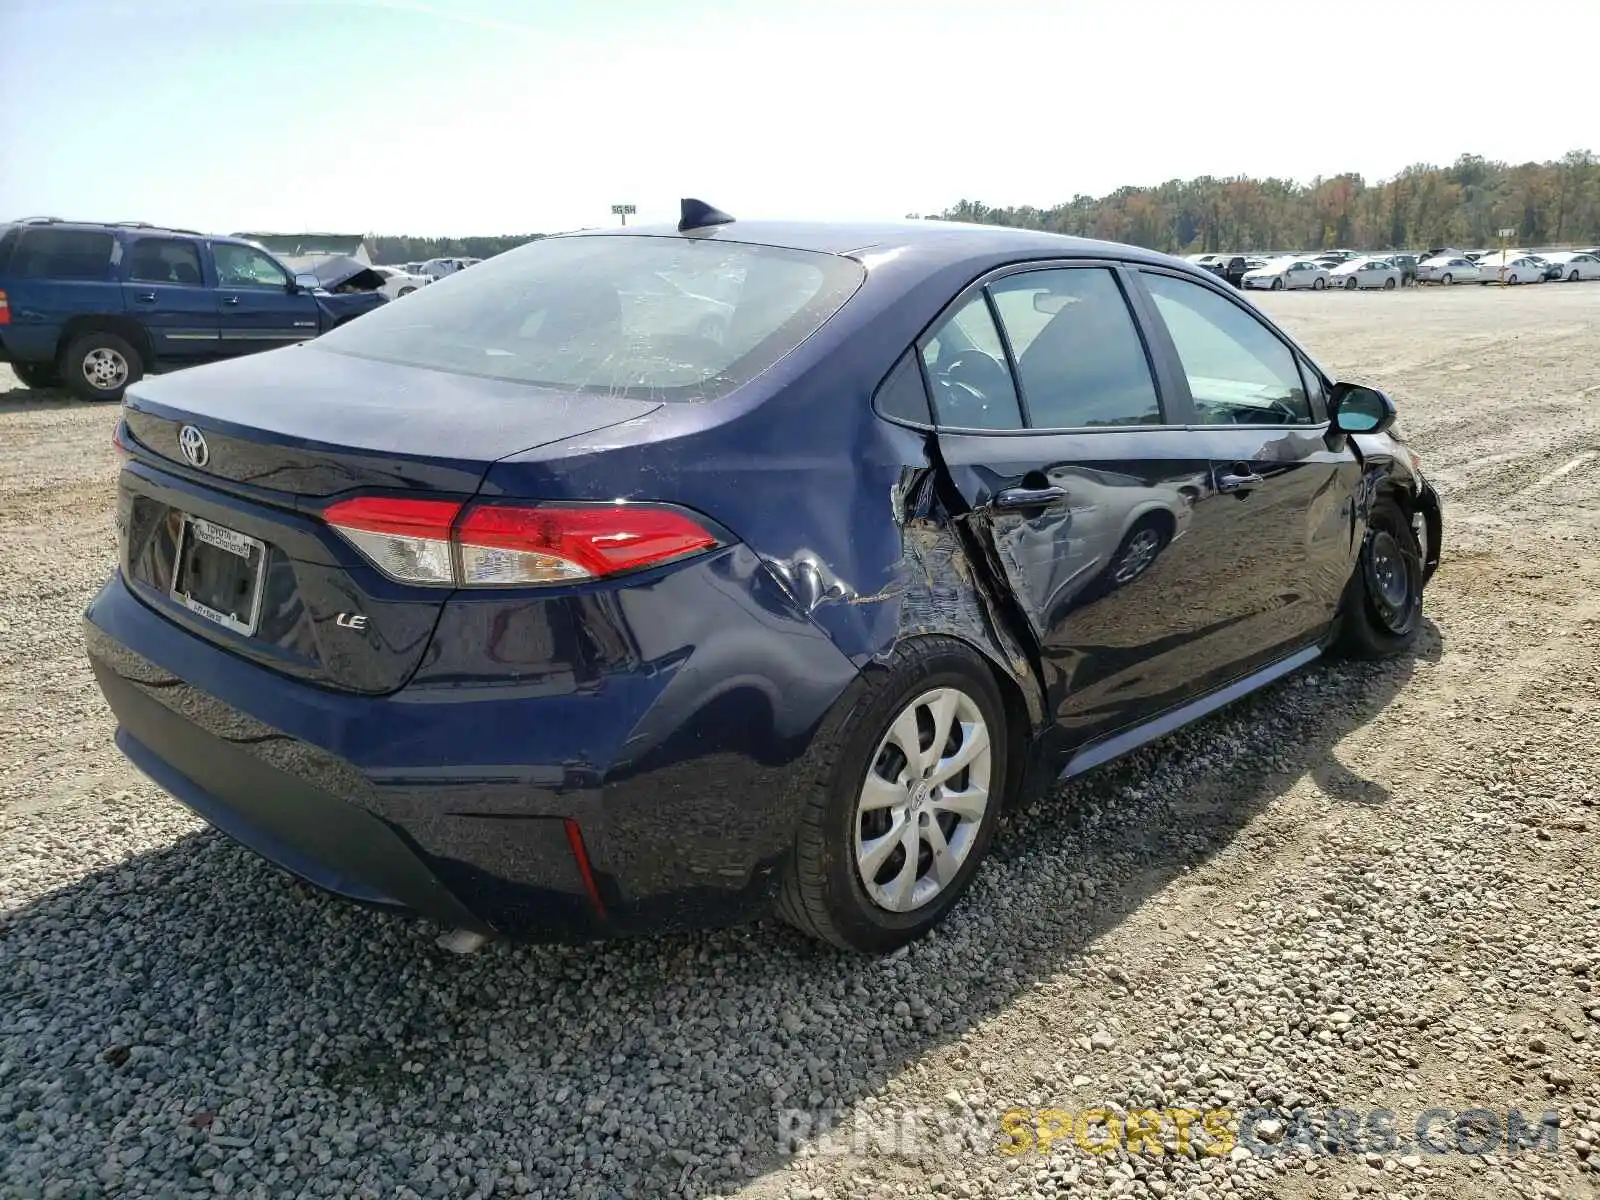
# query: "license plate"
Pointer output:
{"type": "Point", "coordinates": [219, 573]}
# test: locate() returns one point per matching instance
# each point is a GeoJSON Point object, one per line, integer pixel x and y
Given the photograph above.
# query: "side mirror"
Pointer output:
{"type": "Point", "coordinates": [305, 283]}
{"type": "Point", "coordinates": [1358, 409]}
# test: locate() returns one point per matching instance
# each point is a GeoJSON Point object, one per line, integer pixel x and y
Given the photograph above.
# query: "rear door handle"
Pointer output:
{"type": "Point", "coordinates": [146, 297]}
{"type": "Point", "coordinates": [230, 299]}
{"type": "Point", "coordinates": [1230, 481]}
{"type": "Point", "coordinates": [1014, 498]}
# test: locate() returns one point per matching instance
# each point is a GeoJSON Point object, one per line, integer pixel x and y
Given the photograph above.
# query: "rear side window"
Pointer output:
{"type": "Point", "coordinates": [1079, 356]}
{"type": "Point", "coordinates": [83, 254]}
{"type": "Point", "coordinates": [967, 369]}
{"type": "Point", "coordinates": [164, 260]}
{"type": "Point", "coordinates": [663, 318]}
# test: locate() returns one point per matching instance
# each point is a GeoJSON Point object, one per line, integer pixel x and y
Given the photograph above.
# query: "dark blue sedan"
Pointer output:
{"type": "Point", "coordinates": [664, 577]}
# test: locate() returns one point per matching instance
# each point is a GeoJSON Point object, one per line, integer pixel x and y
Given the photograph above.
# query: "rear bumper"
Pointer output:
{"type": "Point", "coordinates": [476, 805]}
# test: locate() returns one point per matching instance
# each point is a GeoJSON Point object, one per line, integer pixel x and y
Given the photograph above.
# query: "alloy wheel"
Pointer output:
{"type": "Point", "coordinates": [922, 804]}
{"type": "Point", "coordinates": [105, 369]}
{"type": "Point", "coordinates": [1141, 552]}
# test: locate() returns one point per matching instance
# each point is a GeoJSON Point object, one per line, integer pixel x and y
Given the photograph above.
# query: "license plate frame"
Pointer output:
{"type": "Point", "coordinates": [220, 540]}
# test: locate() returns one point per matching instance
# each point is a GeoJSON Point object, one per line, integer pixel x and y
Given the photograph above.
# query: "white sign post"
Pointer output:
{"type": "Point", "coordinates": [623, 210]}
{"type": "Point", "coordinates": [1504, 234]}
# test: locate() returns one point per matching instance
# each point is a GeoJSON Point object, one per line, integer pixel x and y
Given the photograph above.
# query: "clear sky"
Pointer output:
{"type": "Point", "coordinates": [449, 117]}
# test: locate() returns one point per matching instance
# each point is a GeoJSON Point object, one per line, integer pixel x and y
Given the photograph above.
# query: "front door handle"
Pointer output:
{"type": "Point", "coordinates": [1234, 481]}
{"type": "Point", "coordinates": [146, 297]}
{"type": "Point", "coordinates": [230, 299]}
{"type": "Point", "coordinates": [1014, 498]}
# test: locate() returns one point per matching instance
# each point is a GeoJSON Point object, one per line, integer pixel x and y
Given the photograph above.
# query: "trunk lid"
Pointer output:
{"type": "Point", "coordinates": [228, 543]}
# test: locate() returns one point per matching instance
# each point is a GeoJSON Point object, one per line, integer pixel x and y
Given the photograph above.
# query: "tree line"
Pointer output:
{"type": "Point", "coordinates": [388, 250]}
{"type": "Point", "coordinates": [1465, 204]}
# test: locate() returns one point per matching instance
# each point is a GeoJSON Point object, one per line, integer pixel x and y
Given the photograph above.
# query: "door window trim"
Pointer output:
{"type": "Point", "coordinates": [1162, 378]}
{"type": "Point", "coordinates": [1303, 362]}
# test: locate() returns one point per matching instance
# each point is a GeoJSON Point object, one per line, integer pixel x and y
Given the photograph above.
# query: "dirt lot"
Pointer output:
{"type": "Point", "coordinates": [1371, 888]}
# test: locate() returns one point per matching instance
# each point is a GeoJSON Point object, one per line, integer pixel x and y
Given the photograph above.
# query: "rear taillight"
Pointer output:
{"type": "Point", "coordinates": [5, 310]}
{"type": "Point", "coordinates": [441, 542]}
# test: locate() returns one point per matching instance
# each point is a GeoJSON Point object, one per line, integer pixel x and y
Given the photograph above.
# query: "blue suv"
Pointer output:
{"type": "Point", "coordinates": [95, 306]}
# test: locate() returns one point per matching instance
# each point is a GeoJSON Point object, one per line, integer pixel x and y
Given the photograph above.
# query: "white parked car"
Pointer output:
{"type": "Point", "coordinates": [1285, 273]}
{"type": "Point", "coordinates": [438, 268]}
{"type": "Point", "coordinates": [1448, 269]}
{"type": "Point", "coordinates": [1575, 264]}
{"type": "Point", "coordinates": [1511, 267]}
{"type": "Point", "coordinates": [1366, 273]}
{"type": "Point", "coordinates": [397, 283]}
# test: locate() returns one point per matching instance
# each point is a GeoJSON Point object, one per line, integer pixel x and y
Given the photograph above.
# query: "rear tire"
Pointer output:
{"type": "Point", "coordinates": [1573, 278]}
{"type": "Point", "coordinates": [1277, 284]}
{"type": "Point", "coordinates": [866, 781]}
{"type": "Point", "coordinates": [1447, 280]}
{"type": "Point", "coordinates": [100, 366]}
{"type": "Point", "coordinates": [1318, 284]}
{"type": "Point", "coordinates": [37, 375]}
{"type": "Point", "coordinates": [1388, 284]}
{"type": "Point", "coordinates": [1351, 284]}
{"type": "Point", "coordinates": [1382, 608]}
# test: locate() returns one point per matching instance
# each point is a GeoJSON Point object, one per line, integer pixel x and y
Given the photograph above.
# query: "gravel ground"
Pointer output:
{"type": "Point", "coordinates": [1369, 888]}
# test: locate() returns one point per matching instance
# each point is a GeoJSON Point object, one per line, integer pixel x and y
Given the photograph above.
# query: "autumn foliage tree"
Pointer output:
{"type": "Point", "coordinates": [1464, 204]}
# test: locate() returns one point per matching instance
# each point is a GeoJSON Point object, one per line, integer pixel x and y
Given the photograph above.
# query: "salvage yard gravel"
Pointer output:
{"type": "Point", "coordinates": [1353, 922]}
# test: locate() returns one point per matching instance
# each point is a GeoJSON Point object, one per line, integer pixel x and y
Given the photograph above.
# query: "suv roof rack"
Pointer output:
{"type": "Point", "coordinates": [148, 225]}
{"type": "Point", "coordinates": [38, 220]}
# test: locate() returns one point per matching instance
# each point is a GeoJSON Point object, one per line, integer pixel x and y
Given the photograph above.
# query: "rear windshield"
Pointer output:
{"type": "Point", "coordinates": [664, 318]}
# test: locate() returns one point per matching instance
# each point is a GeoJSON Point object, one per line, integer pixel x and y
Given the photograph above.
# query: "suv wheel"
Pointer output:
{"type": "Point", "coordinates": [37, 375]}
{"type": "Point", "coordinates": [99, 365]}
{"type": "Point", "coordinates": [913, 784]}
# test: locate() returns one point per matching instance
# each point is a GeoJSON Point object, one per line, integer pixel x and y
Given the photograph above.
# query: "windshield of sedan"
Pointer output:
{"type": "Point", "coordinates": [651, 317]}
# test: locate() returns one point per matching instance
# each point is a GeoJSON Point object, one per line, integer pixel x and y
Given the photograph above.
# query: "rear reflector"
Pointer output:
{"type": "Point", "coordinates": [5, 310]}
{"type": "Point", "coordinates": [441, 542]}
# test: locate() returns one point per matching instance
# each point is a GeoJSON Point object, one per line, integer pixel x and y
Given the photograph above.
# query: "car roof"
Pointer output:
{"type": "Point", "coordinates": [140, 227]}
{"type": "Point", "coordinates": [932, 243]}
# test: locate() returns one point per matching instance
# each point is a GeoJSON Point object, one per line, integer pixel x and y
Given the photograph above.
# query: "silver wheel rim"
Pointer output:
{"type": "Point", "coordinates": [1139, 554]}
{"type": "Point", "coordinates": [105, 369]}
{"type": "Point", "coordinates": [923, 801]}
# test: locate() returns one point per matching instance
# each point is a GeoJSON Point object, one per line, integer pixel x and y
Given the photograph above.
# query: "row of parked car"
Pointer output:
{"type": "Point", "coordinates": [1445, 265]}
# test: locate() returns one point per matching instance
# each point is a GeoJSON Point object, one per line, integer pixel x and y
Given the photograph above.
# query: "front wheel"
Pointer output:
{"type": "Point", "coordinates": [1318, 284]}
{"type": "Point", "coordinates": [1350, 284]}
{"type": "Point", "coordinates": [1573, 278]}
{"type": "Point", "coordinates": [1447, 280]}
{"type": "Point", "coordinates": [37, 375]}
{"type": "Point", "coordinates": [1277, 284]}
{"type": "Point", "coordinates": [1382, 608]}
{"type": "Point", "coordinates": [914, 775]}
{"type": "Point", "coordinates": [1511, 280]}
{"type": "Point", "coordinates": [99, 366]}
{"type": "Point", "coordinates": [1388, 284]}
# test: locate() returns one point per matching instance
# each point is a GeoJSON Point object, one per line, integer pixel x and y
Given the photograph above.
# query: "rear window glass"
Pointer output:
{"type": "Point", "coordinates": [63, 254]}
{"type": "Point", "coordinates": [662, 318]}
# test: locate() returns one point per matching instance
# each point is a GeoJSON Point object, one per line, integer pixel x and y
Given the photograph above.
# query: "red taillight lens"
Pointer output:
{"type": "Point", "coordinates": [506, 545]}
{"type": "Point", "coordinates": [509, 545]}
{"type": "Point", "coordinates": [5, 310]}
{"type": "Point", "coordinates": [116, 439]}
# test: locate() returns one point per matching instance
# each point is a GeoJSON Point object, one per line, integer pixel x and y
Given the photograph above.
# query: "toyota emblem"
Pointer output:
{"type": "Point", "coordinates": [193, 444]}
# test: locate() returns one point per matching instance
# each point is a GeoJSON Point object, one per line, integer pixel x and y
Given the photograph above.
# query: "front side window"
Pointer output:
{"type": "Point", "coordinates": [78, 254]}
{"type": "Point", "coordinates": [1239, 372]}
{"type": "Point", "coordinates": [1079, 356]}
{"type": "Point", "coordinates": [245, 266]}
{"type": "Point", "coordinates": [663, 318]}
{"type": "Point", "coordinates": [966, 366]}
{"type": "Point", "coordinates": [164, 260]}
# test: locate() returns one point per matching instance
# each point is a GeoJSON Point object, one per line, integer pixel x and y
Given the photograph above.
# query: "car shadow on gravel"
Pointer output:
{"type": "Point", "coordinates": [200, 989]}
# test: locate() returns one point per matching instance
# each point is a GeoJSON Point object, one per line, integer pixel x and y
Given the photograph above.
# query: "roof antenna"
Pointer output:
{"type": "Point", "coordinates": [697, 214]}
